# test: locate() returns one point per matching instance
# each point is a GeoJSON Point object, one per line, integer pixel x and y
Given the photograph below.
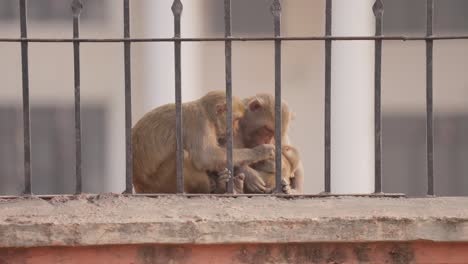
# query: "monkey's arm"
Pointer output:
{"type": "Point", "coordinates": [214, 158]}
{"type": "Point", "coordinates": [246, 156]}
{"type": "Point", "coordinates": [265, 166]}
{"type": "Point", "coordinates": [208, 155]}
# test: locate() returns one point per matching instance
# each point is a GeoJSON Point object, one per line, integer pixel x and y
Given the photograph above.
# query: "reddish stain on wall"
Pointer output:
{"type": "Point", "coordinates": [398, 253]}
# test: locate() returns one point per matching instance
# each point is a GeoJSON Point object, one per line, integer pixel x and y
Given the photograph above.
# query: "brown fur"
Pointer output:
{"type": "Point", "coordinates": [256, 128]}
{"type": "Point", "coordinates": [204, 122]}
{"type": "Point", "coordinates": [289, 164]}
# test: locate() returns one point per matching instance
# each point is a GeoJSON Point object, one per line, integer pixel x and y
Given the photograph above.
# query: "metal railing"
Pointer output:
{"type": "Point", "coordinates": [275, 8]}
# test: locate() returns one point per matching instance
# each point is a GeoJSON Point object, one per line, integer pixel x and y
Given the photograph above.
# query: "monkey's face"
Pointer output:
{"type": "Point", "coordinates": [258, 124]}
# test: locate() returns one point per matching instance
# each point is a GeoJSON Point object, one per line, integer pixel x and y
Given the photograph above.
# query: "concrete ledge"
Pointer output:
{"type": "Point", "coordinates": [119, 220]}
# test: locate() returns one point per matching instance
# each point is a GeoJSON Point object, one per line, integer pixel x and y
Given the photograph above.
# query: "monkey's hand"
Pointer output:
{"type": "Point", "coordinates": [265, 151]}
{"type": "Point", "coordinates": [287, 187]}
{"type": "Point", "coordinates": [253, 182]}
{"type": "Point", "coordinates": [222, 180]}
{"type": "Point", "coordinates": [239, 183]}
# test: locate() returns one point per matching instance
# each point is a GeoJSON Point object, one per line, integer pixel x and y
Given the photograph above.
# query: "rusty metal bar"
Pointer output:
{"type": "Point", "coordinates": [220, 39]}
{"type": "Point", "coordinates": [429, 99]}
{"type": "Point", "coordinates": [275, 9]}
{"type": "Point", "coordinates": [328, 50]}
{"type": "Point", "coordinates": [228, 62]}
{"type": "Point", "coordinates": [177, 8]}
{"type": "Point", "coordinates": [77, 6]}
{"type": "Point", "coordinates": [128, 100]}
{"type": "Point", "coordinates": [26, 108]}
{"type": "Point", "coordinates": [378, 10]}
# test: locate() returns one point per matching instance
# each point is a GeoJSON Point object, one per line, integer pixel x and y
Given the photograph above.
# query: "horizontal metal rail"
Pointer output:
{"type": "Point", "coordinates": [171, 39]}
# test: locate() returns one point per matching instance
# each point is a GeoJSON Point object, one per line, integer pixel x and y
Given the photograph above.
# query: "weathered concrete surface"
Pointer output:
{"type": "Point", "coordinates": [301, 253]}
{"type": "Point", "coordinates": [112, 219]}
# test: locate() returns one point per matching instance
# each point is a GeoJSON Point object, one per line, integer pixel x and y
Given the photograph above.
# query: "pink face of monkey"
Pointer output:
{"type": "Point", "coordinates": [258, 123]}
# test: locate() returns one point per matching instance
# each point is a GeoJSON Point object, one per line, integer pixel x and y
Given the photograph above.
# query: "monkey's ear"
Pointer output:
{"type": "Point", "coordinates": [221, 108]}
{"type": "Point", "coordinates": [255, 105]}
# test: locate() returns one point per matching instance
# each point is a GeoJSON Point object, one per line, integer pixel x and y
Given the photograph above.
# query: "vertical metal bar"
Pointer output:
{"type": "Point", "coordinates": [378, 9]}
{"type": "Point", "coordinates": [328, 50]}
{"type": "Point", "coordinates": [177, 11]}
{"type": "Point", "coordinates": [429, 99]}
{"type": "Point", "coordinates": [128, 100]}
{"type": "Point", "coordinates": [26, 108]}
{"type": "Point", "coordinates": [77, 6]}
{"type": "Point", "coordinates": [276, 11]}
{"type": "Point", "coordinates": [228, 61]}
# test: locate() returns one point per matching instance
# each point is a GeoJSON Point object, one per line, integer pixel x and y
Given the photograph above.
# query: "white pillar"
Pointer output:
{"type": "Point", "coordinates": [153, 74]}
{"type": "Point", "coordinates": [352, 99]}
{"type": "Point", "coordinates": [158, 77]}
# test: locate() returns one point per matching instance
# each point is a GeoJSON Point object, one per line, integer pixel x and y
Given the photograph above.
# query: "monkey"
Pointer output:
{"type": "Point", "coordinates": [289, 164]}
{"type": "Point", "coordinates": [204, 123]}
{"type": "Point", "coordinates": [266, 171]}
{"type": "Point", "coordinates": [256, 128]}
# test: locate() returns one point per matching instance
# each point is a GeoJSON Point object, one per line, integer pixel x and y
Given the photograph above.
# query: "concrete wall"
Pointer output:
{"type": "Point", "coordinates": [178, 229]}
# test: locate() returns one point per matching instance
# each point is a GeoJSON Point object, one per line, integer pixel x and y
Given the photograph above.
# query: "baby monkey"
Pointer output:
{"type": "Point", "coordinates": [289, 165]}
{"type": "Point", "coordinates": [290, 161]}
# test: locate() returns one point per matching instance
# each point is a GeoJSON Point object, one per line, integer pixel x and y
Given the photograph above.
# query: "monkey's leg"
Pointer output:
{"type": "Point", "coordinates": [195, 181]}
{"type": "Point", "coordinates": [239, 183]}
{"type": "Point", "coordinates": [253, 182]}
{"type": "Point", "coordinates": [297, 182]}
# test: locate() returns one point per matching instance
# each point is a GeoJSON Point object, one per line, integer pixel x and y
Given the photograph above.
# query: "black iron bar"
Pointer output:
{"type": "Point", "coordinates": [276, 11]}
{"type": "Point", "coordinates": [128, 100]}
{"type": "Point", "coordinates": [177, 11]}
{"type": "Point", "coordinates": [328, 50]}
{"type": "Point", "coordinates": [228, 62]}
{"type": "Point", "coordinates": [378, 9]}
{"type": "Point", "coordinates": [77, 6]}
{"type": "Point", "coordinates": [26, 108]}
{"type": "Point", "coordinates": [429, 99]}
{"type": "Point", "coordinates": [311, 38]}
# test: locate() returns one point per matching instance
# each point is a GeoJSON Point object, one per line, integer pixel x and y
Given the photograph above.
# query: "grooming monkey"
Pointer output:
{"type": "Point", "coordinates": [204, 123]}
{"type": "Point", "coordinates": [256, 127]}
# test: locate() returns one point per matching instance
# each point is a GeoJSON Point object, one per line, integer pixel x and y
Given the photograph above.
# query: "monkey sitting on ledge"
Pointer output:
{"type": "Point", "coordinates": [204, 122]}
{"type": "Point", "coordinates": [256, 127]}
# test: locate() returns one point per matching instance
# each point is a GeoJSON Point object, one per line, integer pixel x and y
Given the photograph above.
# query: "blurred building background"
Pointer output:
{"type": "Point", "coordinates": [102, 86]}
